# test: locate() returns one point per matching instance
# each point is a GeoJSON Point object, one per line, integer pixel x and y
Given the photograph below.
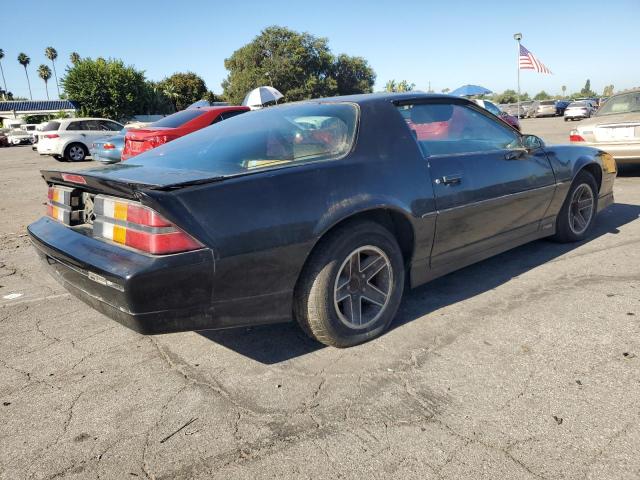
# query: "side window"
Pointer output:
{"type": "Point", "coordinates": [449, 129]}
{"type": "Point", "coordinates": [105, 126]}
{"type": "Point", "coordinates": [92, 125]}
{"type": "Point", "coordinates": [110, 126]}
{"type": "Point", "coordinates": [231, 114]}
{"type": "Point", "coordinates": [76, 126]}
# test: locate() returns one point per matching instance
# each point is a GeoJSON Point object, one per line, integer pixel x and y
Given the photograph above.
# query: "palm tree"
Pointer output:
{"type": "Point", "coordinates": [1, 70]}
{"type": "Point", "coordinates": [74, 57]}
{"type": "Point", "coordinates": [44, 73]}
{"type": "Point", "coordinates": [24, 60]}
{"type": "Point", "coordinates": [170, 92]}
{"type": "Point", "coordinates": [52, 54]}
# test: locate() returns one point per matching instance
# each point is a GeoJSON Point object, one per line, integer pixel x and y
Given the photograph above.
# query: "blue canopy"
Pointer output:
{"type": "Point", "coordinates": [470, 90]}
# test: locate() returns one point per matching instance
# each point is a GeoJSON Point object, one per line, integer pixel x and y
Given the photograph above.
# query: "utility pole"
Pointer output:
{"type": "Point", "coordinates": [517, 37]}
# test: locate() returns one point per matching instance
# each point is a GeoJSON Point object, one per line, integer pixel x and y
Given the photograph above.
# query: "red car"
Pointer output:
{"type": "Point", "coordinates": [175, 126]}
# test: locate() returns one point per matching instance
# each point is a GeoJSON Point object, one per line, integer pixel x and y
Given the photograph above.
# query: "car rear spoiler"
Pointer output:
{"type": "Point", "coordinates": [113, 186]}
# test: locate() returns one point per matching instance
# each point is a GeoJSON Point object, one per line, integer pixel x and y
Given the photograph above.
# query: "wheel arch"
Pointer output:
{"type": "Point", "coordinates": [590, 166]}
{"type": "Point", "coordinates": [392, 218]}
{"type": "Point", "coordinates": [68, 143]}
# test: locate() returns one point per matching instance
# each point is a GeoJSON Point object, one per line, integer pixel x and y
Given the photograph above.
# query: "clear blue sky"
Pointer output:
{"type": "Point", "coordinates": [448, 43]}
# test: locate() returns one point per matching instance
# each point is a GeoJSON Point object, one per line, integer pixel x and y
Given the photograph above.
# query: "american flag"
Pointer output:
{"type": "Point", "coordinates": [528, 61]}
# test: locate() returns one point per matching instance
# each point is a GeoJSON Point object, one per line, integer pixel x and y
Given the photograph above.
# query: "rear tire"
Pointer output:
{"type": "Point", "coordinates": [359, 264]}
{"type": "Point", "coordinates": [578, 212]}
{"type": "Point", "coordinates": [75, 152]}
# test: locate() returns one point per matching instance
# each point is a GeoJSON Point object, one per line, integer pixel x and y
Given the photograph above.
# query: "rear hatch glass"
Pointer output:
{"type": "Point", "coordinates": [177, 119]}
{"type": "Point", "coordinates": [268, 138]}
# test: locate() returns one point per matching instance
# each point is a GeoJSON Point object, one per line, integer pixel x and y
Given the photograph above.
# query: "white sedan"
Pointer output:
{"type": "Point", "coordinates": [17, 136]}
{"type": "Point", "coordinates": [70, 139]}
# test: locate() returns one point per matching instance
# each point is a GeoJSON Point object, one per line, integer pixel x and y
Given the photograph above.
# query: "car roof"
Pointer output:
{"type": "Point", "coordinates": [382, 97]}
{"type": "Point", "coordinates": [80, 119]}
{"type": "Point", "coordinates": [219, 108]}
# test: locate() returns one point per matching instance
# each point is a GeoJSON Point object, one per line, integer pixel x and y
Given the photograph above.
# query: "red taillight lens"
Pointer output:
{"type": "Point", "coordinates": [108, 146]}
{"type": "Point", "coordinates": [160, 243]}
{"type": "Point", "coordinates": [574, 137]}
{"type": "Point", "coordinates": [139, 227]}
{"type": "Point", "coordinates": [159, 140]}
{"type": "Point", "coordinates": [52, 135]}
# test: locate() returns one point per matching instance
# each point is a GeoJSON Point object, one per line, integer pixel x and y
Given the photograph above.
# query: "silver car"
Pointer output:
{"type": "Point", "coordinates": [615, 128]}
{"type": "Point", "coordinates": [578, 110]}
{"type": "Point", "coordinates": [544, 108]}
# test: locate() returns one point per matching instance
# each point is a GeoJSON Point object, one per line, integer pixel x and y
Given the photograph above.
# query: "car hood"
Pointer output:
{"type": "Point", "coordinates": [631, 117]}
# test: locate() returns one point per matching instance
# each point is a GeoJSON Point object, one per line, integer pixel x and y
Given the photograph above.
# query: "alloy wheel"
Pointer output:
{"type": "Point", "coordinates": [581, 209]}
{"type": "Point", "coordinates": [363, 287]}
{"type": "Point", "coordinates": [76, 152]}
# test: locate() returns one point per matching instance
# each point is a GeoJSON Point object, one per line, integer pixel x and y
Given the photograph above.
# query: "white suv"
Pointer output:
{"type": "Point", "coordinates": [70, 139]}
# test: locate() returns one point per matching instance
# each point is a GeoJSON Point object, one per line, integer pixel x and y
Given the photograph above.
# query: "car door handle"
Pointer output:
{"type": "Point", "coordinates": [450, 180]}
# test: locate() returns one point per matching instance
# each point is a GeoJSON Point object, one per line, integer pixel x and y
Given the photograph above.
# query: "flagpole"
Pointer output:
{"type": "Point", "coordinates": [518, 37]}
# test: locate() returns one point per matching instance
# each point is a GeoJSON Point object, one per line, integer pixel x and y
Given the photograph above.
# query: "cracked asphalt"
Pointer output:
{"type": "Point", "coordinates": [523, 366]}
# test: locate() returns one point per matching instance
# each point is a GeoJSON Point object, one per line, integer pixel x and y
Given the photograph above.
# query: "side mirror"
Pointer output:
{"type": "Point", "coordinates": [531, 142]}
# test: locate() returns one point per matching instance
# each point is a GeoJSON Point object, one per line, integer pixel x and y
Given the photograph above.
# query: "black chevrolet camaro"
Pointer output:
{"type": "Point", "coordinates": [319, 211]}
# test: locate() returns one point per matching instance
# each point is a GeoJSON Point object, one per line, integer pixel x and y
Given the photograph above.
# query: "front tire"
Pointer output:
{"type": "Point", "coordinates": [351, 286]}
{"type": "Point", "coordinates": [75, 152]}
{"type": "Point", "coordinates": [578, 213]}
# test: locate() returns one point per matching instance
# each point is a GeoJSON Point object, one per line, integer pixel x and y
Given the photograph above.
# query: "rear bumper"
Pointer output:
{"type": "Point", "coordinates": [149, 294]}
{"type": "Point", "coordinates": [104, 157]}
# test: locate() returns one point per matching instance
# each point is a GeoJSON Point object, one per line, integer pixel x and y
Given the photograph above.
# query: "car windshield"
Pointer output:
{"type": "Point", "coordinates": [177, 119]}
{"type": "Point", "coordinates": [577, 105]}
{"type": "Point", "coordinates": [50, 126]}
{"type": "Point", "coordinates": [267, 138]}
{"type": "Point", "coordinates": [628, 102]}
{"type": "Point", "coordinates": [548, 102]}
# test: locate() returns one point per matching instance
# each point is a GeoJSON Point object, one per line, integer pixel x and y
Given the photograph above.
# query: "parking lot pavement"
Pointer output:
{"type": "Point", "coordinates": [526, 365]}
{"type": "Point", "coordinates": [554, 130]}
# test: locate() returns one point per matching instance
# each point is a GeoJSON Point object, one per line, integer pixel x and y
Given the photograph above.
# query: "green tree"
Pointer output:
{"type": "Point", "coordinates": [156, 102]}
{"type": "Point", "coordinates": [52, 54]}
{"type": "Point", "coordinates": [183, 89]}
{"type": "Point", "coordinates": [608, 91]}
{"type": "Point", "coordinates": [508, 96]}
{"type": "Point", "coordinates": [24, 60]}
{"type": "Point", "coordinates": [586, 90]}
{"type": "Point", "coordinates": [212, 97]}
{"type": "Point", "coordinates": [106, 88]}
{"type": "Point", "coordinates": [353, 75]}
{"type": "Point", "coordinates": [74, 58]}
{"type": "Point", "coordinates": [401, 86]}
{"type": "Point", "coordinates": [446, 90]}
{"type": "Point", "coordinates": [170, 93]}
{"type": "Point", "coordinates": [5, 92]}
{"type": "Point", "coordinates": [542, 95]}
{"type": "Point", "coordinates": [299, 65]}
{"type": "Point", "coordinates": [44, 73]}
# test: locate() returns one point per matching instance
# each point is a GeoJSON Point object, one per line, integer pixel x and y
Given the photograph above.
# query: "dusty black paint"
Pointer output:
{"type": "Point", "coordinates": [259, 228]}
